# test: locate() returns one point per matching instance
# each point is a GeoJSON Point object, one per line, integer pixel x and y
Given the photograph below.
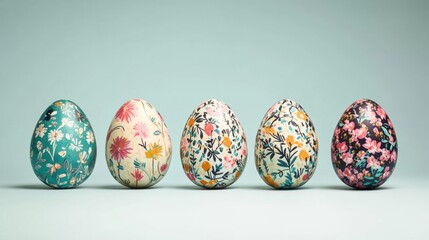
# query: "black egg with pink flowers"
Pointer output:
{"type": "Point", "coordinates": [364, 147]}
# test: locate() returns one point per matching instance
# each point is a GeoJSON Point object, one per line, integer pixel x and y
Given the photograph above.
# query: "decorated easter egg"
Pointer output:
{"type": "Point", "coordinates": [213, 146]}
{"type": "Point", "coordinates": [138, 145]}
{"type": "Point", "coordinates": [364, 146]}
{"type": "Point", "coordinates": [286, 146]}
{"type": "Point", "coordinates": [63, 148]}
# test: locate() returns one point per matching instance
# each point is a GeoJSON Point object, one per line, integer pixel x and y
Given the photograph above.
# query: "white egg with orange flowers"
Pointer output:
{"type": "Point", "coordinates": [286, 146]}
{"type": "Point", "coordinates": [213, 146]}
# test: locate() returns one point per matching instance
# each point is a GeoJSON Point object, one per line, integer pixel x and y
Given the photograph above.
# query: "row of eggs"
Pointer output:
{"type": "Point", "coordinates": [213, 146]}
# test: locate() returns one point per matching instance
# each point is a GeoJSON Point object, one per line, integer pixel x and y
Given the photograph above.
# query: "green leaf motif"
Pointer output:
{"type": "Point", "coordinates": [385, 131]}
{"type": "Point", "coordinates": [282, 163]}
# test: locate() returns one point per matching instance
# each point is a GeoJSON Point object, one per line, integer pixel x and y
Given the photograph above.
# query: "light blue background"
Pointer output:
{"type": "Point", "coordinates": [250, 54]}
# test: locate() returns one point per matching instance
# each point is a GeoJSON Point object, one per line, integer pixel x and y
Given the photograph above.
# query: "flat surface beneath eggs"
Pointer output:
{"type": "Point", "coordinates": [396, 211]}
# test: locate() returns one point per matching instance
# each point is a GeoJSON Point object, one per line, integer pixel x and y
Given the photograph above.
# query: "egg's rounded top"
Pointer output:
{"type": "Point", "coordinates": [287, 102]}
{"type": "Point", "coordinates": [212, 101]}
{"type": "Point", "coordinates": [360, 101]}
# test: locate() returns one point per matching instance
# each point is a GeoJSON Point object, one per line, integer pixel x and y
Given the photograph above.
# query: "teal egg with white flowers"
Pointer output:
{"type": "Point", "coordinates": [63, 147]}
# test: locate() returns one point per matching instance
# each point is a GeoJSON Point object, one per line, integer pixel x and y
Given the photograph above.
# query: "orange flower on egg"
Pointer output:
{"type": "Point", "coordinates": [226, 141]}
{"type": "Point", "coordinates": [191, 122]}
{"type": "Point", "coordinates": [270, 181]}
{"type": "Point", "coordinates": [269, 130]}
{"type": "Point", "coordinates": [301, 115]}
{"type": "Point", "coordinates": [186, 167]}
{"type": "Point", "coordinates": [303, 155]}
{"type": "Point", "coordinates": [54, 168]}
{"type": "Point", "coordinates": [237, 174]}
{"type": "Point", "coordinates": [206, 166]}
{"type": "Point", "coordinates": [290, 140]}
{"type": "Point", "coordinates": [211, 183]}
{"type": "Point", "coordinates": [73, 181]}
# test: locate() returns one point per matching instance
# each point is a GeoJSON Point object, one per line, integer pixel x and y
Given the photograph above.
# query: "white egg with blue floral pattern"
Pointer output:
{"type": "Point", "coordinates": [286, 146]}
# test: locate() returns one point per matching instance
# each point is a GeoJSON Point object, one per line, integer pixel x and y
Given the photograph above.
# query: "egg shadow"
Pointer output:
{"type": "Point", "coordinates": [347, 188]}
{"type": "Point", "coordinates": [121, 187]}
{"type": "Point", "coordinates": [198, 188]}
{"type": "Point", "coordinates": [268, 188]}
{"type": "Point", "coordinates": [39, 187]}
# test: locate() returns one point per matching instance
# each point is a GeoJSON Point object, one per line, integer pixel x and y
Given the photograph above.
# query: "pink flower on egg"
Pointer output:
{"type": "Point", "coordinates": [353, 179]}
{"type": "Point", "coordinates": [393, 156]}
{"type": "Point", "coordinates": [359, 133]}
{"type": "Point", "coordinates": [212, 112]}
{"type": "Point", "coordinates": [391, 140]}
{"type": "Point", "coordinates": [372, 145]}
{"type": "Point", "coordinates": [243, 150]}
{"type": "Point", "coordinates": [190, 176]}
{"type": "Point", "coordinates": [347, 172]}
{"type": "Point", "coordinates": [386, 172]}
{"type": "Point", "coordinates": [337, 132]}
{"type": "Point", "coordinates": [208, 129]}
{"type": "Point", "coordinates": [390, 123]}
{"type": "Point", "coordinates": [229, 162]}
{"type": "Point", "coordinates": [342, 147]}
{"type": "Point", "coordinates": [141, 130]}
{"type": "Point", "coordinates": [372, 162]}
{"type": "Point", "coordinates": [347, 158]}
{"type": "Point", "coordinates": [126, 112]}
{"type": "Point", "coordinates": [385, 155]}
{"type": "Point", "coordinates": [349, 126]}
{"type": "Point", "coordinates": [184, 144]}
{"type": "Point", "coordinates": [380, 111]}
{"type": "Point", "coordinates": [369, 106]}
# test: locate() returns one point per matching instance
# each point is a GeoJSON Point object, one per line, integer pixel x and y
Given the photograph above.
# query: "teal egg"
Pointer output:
{"type": "Point", "coordinates": [63, 148]}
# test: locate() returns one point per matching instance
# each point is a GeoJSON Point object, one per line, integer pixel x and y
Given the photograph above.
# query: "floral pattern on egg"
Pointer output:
{"type": "Point", "coordinates": [286, 146]}
{"type": "Point", "coordinates": [63, 147]}
{"type": "Point", "coordinates": [364, 146]}
{"type": "Point", "coordinates": [138, 145]}
{"type": "Point", "coordinates": [213, 146]}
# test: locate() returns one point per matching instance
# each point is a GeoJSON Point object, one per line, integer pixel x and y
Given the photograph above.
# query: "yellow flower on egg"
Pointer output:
{"type": "Point", "coordinates": [269, 129]}
{"type": "Point", "coordinates": [303, 155]}
{"type": "Point", "coordinates": [206, 166]}
{"type": "Point", "coordinates": [226, 141]}
{"type": "Point", "coordinates": [301, 115]}
{"type": "Point", "coordinates": [290, 140]}
{"type": "Point", "coordinates": [155, 151]}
